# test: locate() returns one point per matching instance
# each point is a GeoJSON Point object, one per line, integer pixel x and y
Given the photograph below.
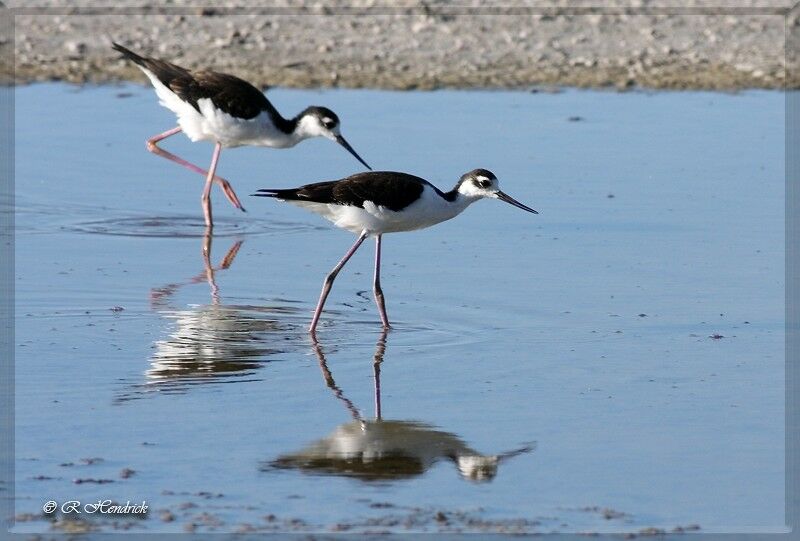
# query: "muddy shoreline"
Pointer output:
{"type": "Point", "coordinates": [416, 45]}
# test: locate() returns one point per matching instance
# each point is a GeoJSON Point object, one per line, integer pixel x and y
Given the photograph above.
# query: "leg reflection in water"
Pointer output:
{"type": "Point", "coordinates": [159, 297]}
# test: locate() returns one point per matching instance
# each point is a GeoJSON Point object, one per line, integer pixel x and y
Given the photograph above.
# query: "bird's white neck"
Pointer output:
{"type": "Point", "coordinates": [285, 133]}
{"type": "Point", "coordinates": [454, 203]}
{"type": "Point", "coordinates": [459, 201]}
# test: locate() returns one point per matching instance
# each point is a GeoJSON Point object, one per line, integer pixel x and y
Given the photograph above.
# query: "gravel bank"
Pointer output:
{"type": "Point", "coordinates": [416, 44]}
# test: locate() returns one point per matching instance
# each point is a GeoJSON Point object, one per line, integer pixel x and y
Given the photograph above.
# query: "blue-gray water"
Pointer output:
{"type": "Point", "coordinates": [577, 345]}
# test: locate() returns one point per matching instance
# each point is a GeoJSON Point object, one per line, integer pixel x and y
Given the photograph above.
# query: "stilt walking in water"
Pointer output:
{"type": "Point", "coordinates": [230, 112]}
{"type": "Point", "coordinates": [374, 203]}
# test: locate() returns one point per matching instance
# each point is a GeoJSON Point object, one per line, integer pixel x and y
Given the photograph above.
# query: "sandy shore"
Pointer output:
{"type": "Point", "coordinates": [416, 44]}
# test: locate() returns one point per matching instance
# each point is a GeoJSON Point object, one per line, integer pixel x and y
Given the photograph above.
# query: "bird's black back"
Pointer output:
{"type": "Point", "coordinates": [228, 93]}
{"type": "Point", "coordinates": [389, 189]}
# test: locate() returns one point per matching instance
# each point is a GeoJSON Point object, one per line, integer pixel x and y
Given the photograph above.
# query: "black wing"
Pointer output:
{"type": "Point", "coordinates": [389, 189]}
{"type": "Point", "coordinates": [228, 93]}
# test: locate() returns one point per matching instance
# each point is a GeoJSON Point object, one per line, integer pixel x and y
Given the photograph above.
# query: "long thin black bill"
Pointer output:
{"type": "Point", "coordinates": [342, 141]}
{"type": "Point", "coordinates": [511, 201]}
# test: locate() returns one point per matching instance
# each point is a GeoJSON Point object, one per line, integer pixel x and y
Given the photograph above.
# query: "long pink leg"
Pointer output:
{"type": "Point", "coordinates": [206, 197]}
{"type": "Point", "coordinates": [377, 284]}
{"type": "Point", "coordinates": [224, 184]}
{"type": "Point", "coordinates": [326, 286]}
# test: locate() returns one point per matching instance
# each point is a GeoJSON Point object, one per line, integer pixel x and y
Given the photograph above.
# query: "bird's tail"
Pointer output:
{"type": "Point", "coordinates": [130, 55]}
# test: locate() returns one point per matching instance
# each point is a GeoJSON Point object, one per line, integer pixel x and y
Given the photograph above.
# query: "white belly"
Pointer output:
{"type": "Point", "coordinates": [211, 124]}
{"type": "Point", "coordinates": [216, 125]}
{"type": "Point", "coordinates": [429, 210]}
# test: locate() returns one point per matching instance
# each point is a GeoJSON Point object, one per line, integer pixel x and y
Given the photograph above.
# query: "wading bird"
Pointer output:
{"type": "Point", "coordinates": [378, 202]}
{"type": "Point", "coordinates": [230, 112]}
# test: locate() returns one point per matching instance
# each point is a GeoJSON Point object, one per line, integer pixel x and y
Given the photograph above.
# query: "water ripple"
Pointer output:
{"type": "Point", "coordinates": [183, 227]}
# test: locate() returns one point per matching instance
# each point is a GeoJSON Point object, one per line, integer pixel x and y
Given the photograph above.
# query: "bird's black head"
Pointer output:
{"type": "Point", "coordinates": [326, 118]}
{"type": "Point", "coordinates": [322, 122]}
{"type": "Point", "coordinates": [483, 179]}
{"type": "Point", "coordinates": [482, 183]}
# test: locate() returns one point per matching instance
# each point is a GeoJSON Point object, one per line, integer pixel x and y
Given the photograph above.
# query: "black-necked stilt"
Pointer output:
{"type": "Point", "coordinates": [230, 112]}
{"type": "Point", "coordinates": [381, 202]}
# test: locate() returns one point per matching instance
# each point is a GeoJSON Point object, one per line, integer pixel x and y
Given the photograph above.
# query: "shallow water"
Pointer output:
{"type": "Point", "coordinates": [613, 364]}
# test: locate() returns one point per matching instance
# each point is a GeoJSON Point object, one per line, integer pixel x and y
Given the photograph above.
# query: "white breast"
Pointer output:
{"type": "Point", "coordinates": [211, 124]}
{"type": "Point", "coordinates": [232, 132]}
{"type": "Point", "coordinates": [428, 210]}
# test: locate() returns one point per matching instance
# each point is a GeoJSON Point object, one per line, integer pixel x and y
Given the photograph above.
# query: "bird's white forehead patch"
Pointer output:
{"type": "Point", "coordinates": [327, 119]}
{"type": "Point", "coordinates": [481, 177]}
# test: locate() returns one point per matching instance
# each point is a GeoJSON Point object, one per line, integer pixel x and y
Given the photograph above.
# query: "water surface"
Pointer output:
{"type": "Point", "coordinates": [613, 364]}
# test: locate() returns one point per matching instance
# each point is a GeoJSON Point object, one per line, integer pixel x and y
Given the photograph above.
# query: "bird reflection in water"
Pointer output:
{"type": "Point", "coordinates": [385, 450]}
{"type": "Point", "coordinates": [214, 343]}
